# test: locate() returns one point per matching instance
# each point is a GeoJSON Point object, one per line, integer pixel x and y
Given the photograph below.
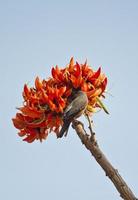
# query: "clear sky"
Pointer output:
{"type": "Point", "coordinates": [35, 35]}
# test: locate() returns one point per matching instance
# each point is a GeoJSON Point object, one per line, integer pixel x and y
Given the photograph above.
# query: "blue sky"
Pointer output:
{"type": "Point", "coordinates": [34, 36]}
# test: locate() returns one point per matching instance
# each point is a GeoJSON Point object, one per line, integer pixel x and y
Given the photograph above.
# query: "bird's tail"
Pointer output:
{"type": "Point", "coordinates": [64, 129]}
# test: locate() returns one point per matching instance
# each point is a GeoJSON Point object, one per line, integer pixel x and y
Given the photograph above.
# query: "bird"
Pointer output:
{"type": "Point", "coordinates": [78, 102]}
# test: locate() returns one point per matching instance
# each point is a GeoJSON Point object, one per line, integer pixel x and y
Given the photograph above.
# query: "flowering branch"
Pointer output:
{"type": "Point", "coordinates": [91, 144]}
{"type": "Point", "coordinates": [52, 104]}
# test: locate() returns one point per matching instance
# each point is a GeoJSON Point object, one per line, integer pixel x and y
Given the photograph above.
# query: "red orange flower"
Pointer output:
{"type": "Point", "coordinates": [44, 103]}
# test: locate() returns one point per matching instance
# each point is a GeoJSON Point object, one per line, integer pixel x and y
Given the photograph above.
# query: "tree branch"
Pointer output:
{"type": "Point", "coordinates": [91, 144]}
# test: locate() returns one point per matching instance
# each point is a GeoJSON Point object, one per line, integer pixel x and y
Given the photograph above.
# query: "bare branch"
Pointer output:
{"type": "Point", "coordinates": [113, 174]}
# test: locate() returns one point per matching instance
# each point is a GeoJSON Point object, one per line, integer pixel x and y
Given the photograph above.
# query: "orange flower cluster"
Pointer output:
{"type": "Point", "coordinates": [44, 104]}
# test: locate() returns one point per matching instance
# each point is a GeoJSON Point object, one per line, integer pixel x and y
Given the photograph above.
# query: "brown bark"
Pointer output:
{"type": "Point", "coordinates": [91, 144]}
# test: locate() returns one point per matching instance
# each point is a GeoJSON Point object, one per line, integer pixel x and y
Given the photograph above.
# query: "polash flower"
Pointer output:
{"type": "Point", "coordinates": [44, 104]}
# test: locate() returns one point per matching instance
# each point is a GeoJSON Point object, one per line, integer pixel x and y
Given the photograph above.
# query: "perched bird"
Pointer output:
{"type": "Point", "coordinates": [78, 102]}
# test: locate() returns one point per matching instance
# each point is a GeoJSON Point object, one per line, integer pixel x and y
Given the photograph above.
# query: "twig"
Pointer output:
{"type": "Point", "coordinates": [110, 171]}
{"type": "Point", "coordinates": [90, 127]}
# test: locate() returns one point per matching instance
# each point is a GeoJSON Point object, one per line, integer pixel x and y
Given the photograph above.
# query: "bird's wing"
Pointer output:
{"type": "Point", "coordinates": [67, 109]}
{"type": "Point", "coordinates": [76, 106]}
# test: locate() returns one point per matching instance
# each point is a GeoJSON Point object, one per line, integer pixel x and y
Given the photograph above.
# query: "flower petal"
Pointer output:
{"type": "Point", "coordinates": [38, 83]}
{"type": "Point", "coordinates": [30, 112]}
